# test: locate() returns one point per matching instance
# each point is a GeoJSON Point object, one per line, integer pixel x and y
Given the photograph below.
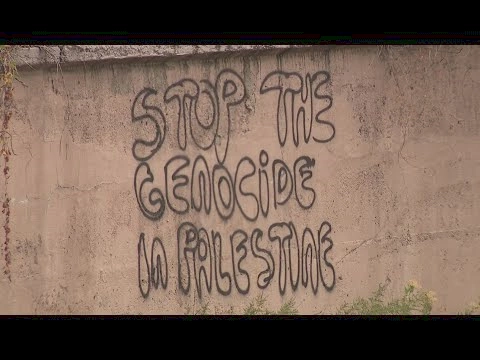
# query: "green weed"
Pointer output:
{"type": "Point", "coordinates": [414, 300]}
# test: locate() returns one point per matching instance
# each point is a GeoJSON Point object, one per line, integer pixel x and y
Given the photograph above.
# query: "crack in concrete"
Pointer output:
{"type": "Point", "coordinates": [73, 187]}
{"type": "Point", "coordinates": [379, 239]}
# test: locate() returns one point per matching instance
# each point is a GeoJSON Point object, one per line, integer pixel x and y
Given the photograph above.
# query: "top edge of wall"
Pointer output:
{"type": "Point", "coordinates": [34, 57]}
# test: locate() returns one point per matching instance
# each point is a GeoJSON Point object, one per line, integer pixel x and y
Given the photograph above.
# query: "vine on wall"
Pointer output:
{"type": "Point", "coordinates": [8, 72]}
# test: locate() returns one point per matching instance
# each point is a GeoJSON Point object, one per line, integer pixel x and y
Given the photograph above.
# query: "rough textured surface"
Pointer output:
{"type": "Point", "coordinates": [52, 55]}
{"type": "Point", "coordinates": [398, 184]}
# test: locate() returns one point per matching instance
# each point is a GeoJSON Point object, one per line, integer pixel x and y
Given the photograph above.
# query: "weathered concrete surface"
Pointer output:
{"type": "Point", "coordinates": [398, 184]}
{"type": "Point", "coordinates": [35, 56]}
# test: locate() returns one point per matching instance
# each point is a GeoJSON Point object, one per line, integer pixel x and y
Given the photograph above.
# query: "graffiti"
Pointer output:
{"type": "Point", "coordinates": [143, 150]}
{"type": "Point", "coordinates": [155, 196]}
{"type": "Point", "coordinates": [215, 184]}
{"type": "Point", "coordinates": [305, 172]}
{"type": "Point", "coordinates": [289, 85]}
{"type": "Point", "coordinates": [255, 187]}
{"type": "Point", "coordinates": [156, 270]}
{"type": "Point", "coordinates": [229, 90]}
{"type": "Point", "coordinates": [200, 257]}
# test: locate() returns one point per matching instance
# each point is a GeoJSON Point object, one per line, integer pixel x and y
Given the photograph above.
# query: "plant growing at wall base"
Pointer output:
{"type": "Point", "coordinates": [258, 307]}
{"type": "Point", "coordinates": [413, 301]}
{"type": "Point", "coordinates": [472, 309]}
{"type": "Point", "coordinates": [203, 310]}
{"type": "Point", "coordinates": [8, 72]}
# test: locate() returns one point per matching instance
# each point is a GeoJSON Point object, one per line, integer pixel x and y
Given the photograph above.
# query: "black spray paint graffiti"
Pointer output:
{"type": "Point", "coordinates": [155, 196]}
{"type": "Point", "coordinates": [289, 85]}
{"type": "Point", "coordinates": [229, 90]}
{"type": "Point", "coordinates": [203, 115]}
{"type": "Point", "coordinates": [200, 257]}
{"type": "Point", "coordinates": [143, 150]}
{"type": "Point", "coordinates": [156, 270]}
{"type": "Point", "coordinates": [201, 187]}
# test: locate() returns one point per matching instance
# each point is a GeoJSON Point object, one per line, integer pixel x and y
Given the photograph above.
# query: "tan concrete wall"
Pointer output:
{"type": "Point", "coordinates": [387, 184]}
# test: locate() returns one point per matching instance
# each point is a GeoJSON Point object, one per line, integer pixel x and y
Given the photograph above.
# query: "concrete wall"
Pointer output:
{"type": "Point", "coordinates": [109, 213]}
